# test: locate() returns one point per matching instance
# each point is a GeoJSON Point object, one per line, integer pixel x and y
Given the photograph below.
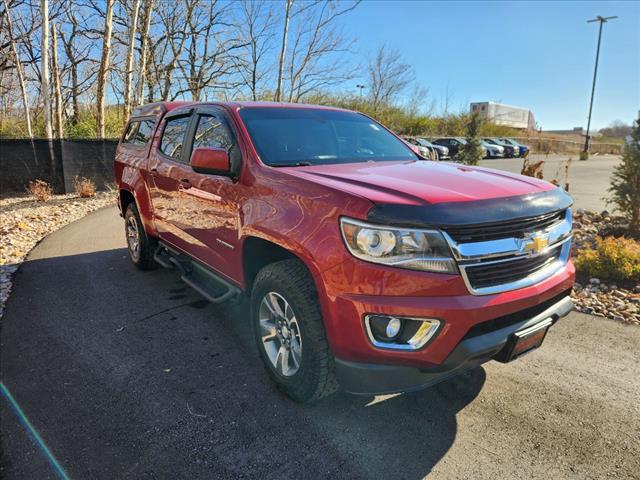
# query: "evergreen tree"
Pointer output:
{"type": "Point", "coordinates": [471, 153]}
{"type": "Point", "coordinates": [625, 180]}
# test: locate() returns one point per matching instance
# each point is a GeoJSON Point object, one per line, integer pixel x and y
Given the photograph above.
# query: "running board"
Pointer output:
{"type": "Point", "coordinates": [208, 284]}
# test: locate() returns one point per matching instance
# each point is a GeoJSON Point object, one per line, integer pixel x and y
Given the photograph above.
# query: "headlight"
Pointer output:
{"type": "Point", "coordinates": [398, 247]}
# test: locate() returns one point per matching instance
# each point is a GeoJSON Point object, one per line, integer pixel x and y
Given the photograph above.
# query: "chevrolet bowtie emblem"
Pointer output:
{"type": "Point", "coordinates": [536, 244]}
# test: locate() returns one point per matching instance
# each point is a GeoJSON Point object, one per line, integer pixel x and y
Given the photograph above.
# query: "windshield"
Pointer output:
{"type": "Point", "coordinates": [301, 136]}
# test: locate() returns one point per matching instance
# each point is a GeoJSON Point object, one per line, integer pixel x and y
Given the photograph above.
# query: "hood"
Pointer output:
{"type": "Point", "coordinates": [419, 182]}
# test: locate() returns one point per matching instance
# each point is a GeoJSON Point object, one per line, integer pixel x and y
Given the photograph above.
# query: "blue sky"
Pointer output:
{"type": "Point", "coordinates": [535, 54]}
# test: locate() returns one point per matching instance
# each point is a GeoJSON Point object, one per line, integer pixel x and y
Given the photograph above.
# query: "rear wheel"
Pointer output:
{"type": "Point", "coordinates": [289, 332]}
{"type": "Point", "coordinates": [140, 246]}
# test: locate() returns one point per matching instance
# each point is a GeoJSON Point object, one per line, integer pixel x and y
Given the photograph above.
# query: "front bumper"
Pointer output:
{"type": "Point", "coordinates": [475, 349]}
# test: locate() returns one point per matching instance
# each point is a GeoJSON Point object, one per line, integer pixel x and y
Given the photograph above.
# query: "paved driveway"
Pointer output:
{"type": "Point", "coordinates": [127, 374]}
{"type": "Point", "coordinates": [588, 181]}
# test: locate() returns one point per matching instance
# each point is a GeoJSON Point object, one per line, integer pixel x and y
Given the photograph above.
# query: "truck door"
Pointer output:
{"type": "Point", "coordinates": [213, 230]}
{"type": "Point", "coordinates": [170, 172]}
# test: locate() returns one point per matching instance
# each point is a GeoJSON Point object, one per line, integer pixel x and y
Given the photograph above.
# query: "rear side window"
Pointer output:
{"type": "Point", "coordinates": [139, 132]}
{"type": "Point", "coordinates": [173, 137]}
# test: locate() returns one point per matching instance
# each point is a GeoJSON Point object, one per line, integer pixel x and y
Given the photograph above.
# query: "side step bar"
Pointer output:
{"type": "Point", "coordinates": [208, 284]}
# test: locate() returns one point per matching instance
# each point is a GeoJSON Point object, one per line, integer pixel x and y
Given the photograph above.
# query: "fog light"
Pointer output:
{"type": "Point", "coordinates": [393, 327]}
{"type": "Point", "coordinates": [384, 328]}
{"type": "Point", "coordinates": [400, 333]}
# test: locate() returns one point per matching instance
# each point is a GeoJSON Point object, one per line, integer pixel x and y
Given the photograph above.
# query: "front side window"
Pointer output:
{"type": "Point", "coordinates": [212, 132]}
{"type": "Point", "coordinates": [301, 136]}
{"type": "Point", "coordinates": [173, 137]}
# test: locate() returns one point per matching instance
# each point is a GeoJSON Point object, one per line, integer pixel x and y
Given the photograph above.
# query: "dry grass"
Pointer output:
{"type": "Point", "coordinates": [40, 190]}
{"type": "Point", "coordinates": [536, 170]}
{"type": "Point", "coordinates": [84, 187]}
{"type": "Point", "coordinates": [532, 169]}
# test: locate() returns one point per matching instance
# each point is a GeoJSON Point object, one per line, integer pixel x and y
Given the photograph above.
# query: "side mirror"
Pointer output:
{"type": "Point", "coordinates": [210, 160]}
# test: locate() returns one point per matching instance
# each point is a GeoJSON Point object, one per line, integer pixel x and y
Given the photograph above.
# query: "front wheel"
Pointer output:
{"type": "Point", "coordinates": [140, 246]}
{"type": "Point", "coordinates": [289, 332]}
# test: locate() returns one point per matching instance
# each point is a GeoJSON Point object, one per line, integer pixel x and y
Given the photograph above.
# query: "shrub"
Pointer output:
{"type": "Point", "coordinates": [84, 187]}
{"type": "Point", "coordinates": [40, 189]}
{"type": "Point", "coordinates": [625, 180]}
{"type": "Point", "coordinates": [615, 259]}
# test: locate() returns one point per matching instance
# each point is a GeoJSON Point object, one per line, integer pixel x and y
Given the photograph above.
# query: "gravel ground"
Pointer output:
{"type": "Point", "coordinates": [25, 221]}
{"type": "Point", "coordinates": [595, 296]}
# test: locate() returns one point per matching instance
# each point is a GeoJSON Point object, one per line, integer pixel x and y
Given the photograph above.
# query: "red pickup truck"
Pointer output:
{"type": "Point", "coordinates": [367, 267]}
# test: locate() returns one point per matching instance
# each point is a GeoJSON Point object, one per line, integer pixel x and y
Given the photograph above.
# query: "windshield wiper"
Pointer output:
{"type": "Point", "coordinates": [292, 164]}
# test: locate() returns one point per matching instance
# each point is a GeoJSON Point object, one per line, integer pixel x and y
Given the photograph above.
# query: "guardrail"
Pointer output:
{"type": "Point", "coordinates": [559, 145]}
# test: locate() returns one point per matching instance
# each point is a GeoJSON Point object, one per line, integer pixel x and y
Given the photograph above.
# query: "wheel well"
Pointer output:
{"type": "Point", "coordinates": [126, 197]}
{"type": "Point", "coordinates": [257, 253]}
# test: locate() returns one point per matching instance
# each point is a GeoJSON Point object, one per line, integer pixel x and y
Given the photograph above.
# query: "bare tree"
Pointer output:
{"type": "Point", "coordinates": [389, 76]}
{"type": "Point", "coordinates": [446, 101]}
{"type": "Point", "coordinates": [167, 50]}
{"type": "Point", "coordinates": [283, 49]}
{"type": "Point", "coordinates": [45, 90]}
{"type": "Point", "coordinates": [104, 66]}
{"type": "Point", "coordinates": [77, 48]}
{"type": "Point", "coordinates": [147, 14]}
{"type": "Point", "coordinates": [56, 82]}
{"type": "Point", "coordinates": [211, 52]}
{"type": "Point", "coordinates": [129, 73]}
{"type": "Point", "coordinates": [18, 64]}
{"type": "Point", "coordinates": [257, 23]}
{"type": "Point", "coordinates": [318, 57]}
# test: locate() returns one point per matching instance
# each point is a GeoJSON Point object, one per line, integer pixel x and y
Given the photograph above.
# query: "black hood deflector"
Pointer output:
{"type": "Point", "coordinates": [474, 212]}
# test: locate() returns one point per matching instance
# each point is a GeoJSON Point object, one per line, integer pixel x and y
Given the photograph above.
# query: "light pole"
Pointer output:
{"type": "Point", "coordinates": [360, 87]}
{"type": "Point", "coordinates": [602, 20]}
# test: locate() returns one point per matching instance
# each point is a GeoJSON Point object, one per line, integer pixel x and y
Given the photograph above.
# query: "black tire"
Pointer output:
{"type": "Point", "coordinates": [315, 377]}
{"type": "Point", "coordinates": [143, 258]}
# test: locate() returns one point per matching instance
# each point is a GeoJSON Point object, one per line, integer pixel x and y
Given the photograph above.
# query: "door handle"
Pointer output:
{"type": "Point", "coordinates": [184, 184]}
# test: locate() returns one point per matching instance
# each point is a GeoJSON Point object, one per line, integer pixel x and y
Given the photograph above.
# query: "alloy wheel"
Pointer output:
{"type": "Point", "coordinates": [133, 237]}
{"type": "Point", "coordinates": [280, 334]}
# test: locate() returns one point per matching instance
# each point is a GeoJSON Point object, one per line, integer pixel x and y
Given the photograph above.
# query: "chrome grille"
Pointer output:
{"type": "Point", "coordinates": [514, 228]}
{"type": "Point", "coordinates": [507, 271]}
{"type": "Point", "coordinates": [510, 255]}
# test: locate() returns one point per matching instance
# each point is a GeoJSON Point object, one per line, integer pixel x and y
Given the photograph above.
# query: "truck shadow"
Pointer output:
{"type": "Point", "coordinates": [163, 384]}
{"type": "Point", "coordinates": [389, 436]}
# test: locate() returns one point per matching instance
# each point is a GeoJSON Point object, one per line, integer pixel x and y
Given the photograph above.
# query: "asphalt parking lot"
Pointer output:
{"type": "Point", "coordinates": [129, 374]}
{"type": "Point", "coordinates": [588, 180]}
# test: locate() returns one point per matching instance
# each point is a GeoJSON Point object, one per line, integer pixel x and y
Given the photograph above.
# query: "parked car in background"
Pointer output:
{"type": "Point", "coordinates": [493, 150]}
{"type": "Point", "coordinates": [439, 152]}
{"type": "Point", "coordinates": [363, 266]}
{"type": "Point", "coordinates": [455, 144]}
{"type": "Point", "coordinates": [509, 150]}
{"type": "Point", "coordinates": [523, 150]}
{"type": "Point", "coordinates": [419, 149]}
{"type": "Point", "coordinates": [442, 151]}
{"type": "Point", "coordinates": [452, 144]}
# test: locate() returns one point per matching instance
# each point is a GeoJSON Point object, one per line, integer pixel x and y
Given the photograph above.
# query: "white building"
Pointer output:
{"type": "Point", "coordinates": [507, 115]}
